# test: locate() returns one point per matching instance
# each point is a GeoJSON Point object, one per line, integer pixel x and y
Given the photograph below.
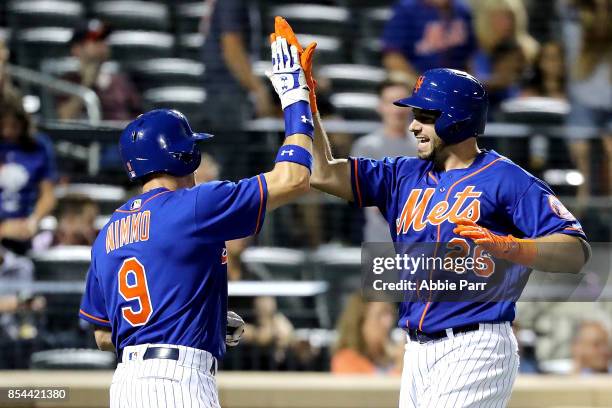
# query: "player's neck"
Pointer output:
{"type": "Point", "coordinates": [458, 156]}
{"type": "Point", "coordinates": [169, 182]}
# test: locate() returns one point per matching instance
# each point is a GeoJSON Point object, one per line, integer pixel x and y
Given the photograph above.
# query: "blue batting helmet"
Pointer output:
{"type": "Point", "coordinates": [160, 141]}
{"type": "Point", "coordinates": [458, 97]}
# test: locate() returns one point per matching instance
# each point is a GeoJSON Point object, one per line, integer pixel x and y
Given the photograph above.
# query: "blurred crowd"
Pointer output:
{"type": "Point", "coordinates": [547, 61]}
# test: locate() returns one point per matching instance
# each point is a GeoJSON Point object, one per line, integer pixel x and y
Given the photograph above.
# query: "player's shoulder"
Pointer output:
{"type": "Point", "coordinates": [510, 175]}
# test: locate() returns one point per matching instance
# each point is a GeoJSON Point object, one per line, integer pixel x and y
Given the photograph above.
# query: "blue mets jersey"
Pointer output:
{"type": "Point", "coordinates": [421, 204]}
{"type": "Point", "coordinates": [158, 269]}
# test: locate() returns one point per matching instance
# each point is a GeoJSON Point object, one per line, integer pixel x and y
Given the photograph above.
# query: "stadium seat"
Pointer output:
{"type": "Point", "coordinates": [353, 77]}
{"type": "Point", "coordinates": [189, 15]}
{"type": "Point", "coordinates": [60, 67]}
{"type": "Point", "coordinates": [133, 15]}
{"type": "Point", "coordinates": [62, 263]}
{"type": "Point", "coordinates": [187, 99]}
{"type": "Point", "coordinates": [340, 267]}
{"type": "Point", "coordinates": [73, 359]}
{"type": "Point", "coordinates": [368, 51]}
{"type": "Point", "coordinates": [44, 13]}
{"type": "Point", "coordinates": [329, 49]}
{"type": "Point", "coordinates": [273, 263]}
{"type": "Point", "coordinates": [356, 105]}
{"type": "Point", "coordinates": [131, 46]}
{"type": "Point", "coordinates": [315, 19]}
{"type": "Point", "coordinates": [163, 72]}
{"type": "Point", "coordinates": [5, 34]}
{"type": "Point", "coordinates": [36, 44]}
{"type": "Point", "coordinates": [372, 21]}
{"type": "Point", "coordinates": [190, 46]}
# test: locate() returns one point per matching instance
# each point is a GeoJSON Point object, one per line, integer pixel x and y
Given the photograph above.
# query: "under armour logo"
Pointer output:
{"type": "Point", "coordinates": [290, 152]}
{"type": "Point", "coordinates": [306, 120]}
{"type": "Point", "coordinates": [284, 80]}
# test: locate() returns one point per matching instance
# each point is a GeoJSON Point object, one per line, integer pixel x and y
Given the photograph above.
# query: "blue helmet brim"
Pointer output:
{"type": "Point", "coordinates": [417, 102]}
{"type": "Point", "coordinates": [201, 136]}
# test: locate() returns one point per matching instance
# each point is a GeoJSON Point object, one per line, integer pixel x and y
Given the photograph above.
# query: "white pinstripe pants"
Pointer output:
{"type": "Point", "coordinates": [474, 369]}
{"type": "Point", "coordinates": [158, 383]}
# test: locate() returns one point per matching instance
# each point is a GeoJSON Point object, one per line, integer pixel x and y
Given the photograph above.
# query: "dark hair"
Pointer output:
{"type": "Point", "coordinates": [503, 49]}
{"type": "Point", "coordinates": [535, 77]}
{"type": "Point", "coordinates": [13, 106]}
{"type": "Point", "coordinates": [393, 80]}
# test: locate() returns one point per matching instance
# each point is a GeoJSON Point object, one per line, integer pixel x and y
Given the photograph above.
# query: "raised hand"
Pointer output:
{"type": "Point", "coordinates": [287, 76]}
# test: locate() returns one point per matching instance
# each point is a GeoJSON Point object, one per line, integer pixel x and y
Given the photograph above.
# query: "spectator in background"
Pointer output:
{"type": "Point", "coordinates": [505, 48]}
{"type": "Point", "coordinates": [17, 330]}
{"type": "Point", "coordinates": [364, 345]}
{"type": "Point", "coordinates": [234, 94]}
{"type": "Point", "coordinates": [588, 39]}
{"type": "Point", "coordinates": [547, 78]}
{"type": "Point", "coordinates": [27, 177]}
{"type": "Point", "coordinates": [391, 140]}
{"type": "Point", "coordinates": [76, 224]}
{"type": "Point", "coordinates": [425, 34]}
{"type": "Point", "coordinates": [271, 330]}
{"type": "Point", "coordinates": [7, 88]}
{"type": "Point", "coordinates": [232, 41]}
{"type": "Point", "coordinates": [119, 98]}
{"type": "Point", "coordinates": [591, 349]}
{"type": "Point", "coordinates": [508, 68]}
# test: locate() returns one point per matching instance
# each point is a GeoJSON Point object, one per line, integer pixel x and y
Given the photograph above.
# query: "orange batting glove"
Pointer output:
{"type": "Point", "coordinates": [521, 251]}
{"type": "Point", "coordinates": [283, 29]}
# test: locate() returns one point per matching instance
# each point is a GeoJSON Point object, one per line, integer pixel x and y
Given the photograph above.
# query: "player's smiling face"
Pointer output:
{"type": "Point", "coordinates": [428, 142]}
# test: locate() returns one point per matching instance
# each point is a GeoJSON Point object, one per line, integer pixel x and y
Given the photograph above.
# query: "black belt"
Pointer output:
{"type": "Point", "coordinates": [422, 337]}
{"type": "Point", "coordinates": [168, 353]}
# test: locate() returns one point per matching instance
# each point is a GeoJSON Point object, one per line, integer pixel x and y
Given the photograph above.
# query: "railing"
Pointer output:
{"type": "Point", "coordinates": [59, 86]}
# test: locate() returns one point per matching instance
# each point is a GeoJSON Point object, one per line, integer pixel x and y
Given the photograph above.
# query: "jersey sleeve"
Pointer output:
{"type": "Point", "coordinates": [93, 306]}
{"type": "Point", "coordinates": [538, 212]}
{"type": "Point", "coordinates": [231, 16]}
{"type": "Point", "coordinates": [372, 181]}
{"type": "Point", "coordinates": [226, 210]}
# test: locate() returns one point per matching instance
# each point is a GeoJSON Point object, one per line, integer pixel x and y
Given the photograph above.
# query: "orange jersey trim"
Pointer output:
{"type": "Point", "coordinates": [356, 171]}
{"type": "Point", "coordinates": [433, 177]}
{"type": "Point", "coordinates": [93, 317]}
{"type": "Point", "coordinates": [261, 202]}
{"type": "Point", "coordinates": [143, 204]}
{"type": "Point", "coordinates": [439, 225]}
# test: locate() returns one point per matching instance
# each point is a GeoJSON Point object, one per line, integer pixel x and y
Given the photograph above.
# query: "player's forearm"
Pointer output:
{"type": "Point", "coordinates": [329, 175]}
{"type": "Point", "coordinates": [71, 109]}
{"type": "Point", "coordinates": [560, 253]}
{"type": "Point", "coordinates": [46, 202]}
{"type": "Point", "coordinates": [104, 339]}
{"type": "Point", "coordinates": [395, 62]}
{"type": "Point", "coordinates": [237, 60]}
{"type": "Point", "coordinates": [288, 180]}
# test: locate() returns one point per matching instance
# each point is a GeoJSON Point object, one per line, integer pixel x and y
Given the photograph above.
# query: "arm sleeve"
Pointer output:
{"type": "Point", "coordinates": [93, 306]}
{"type": "Point", "coordinates": [372, 181]}
{"type": "Point", "coordinates": [231, 16]}
{"type": "Point", "coordinates": [49, 170]}
{"type": "Point", "coordinates": [226, 210]}
{"type": "Point", "coordinates": [538, 212]}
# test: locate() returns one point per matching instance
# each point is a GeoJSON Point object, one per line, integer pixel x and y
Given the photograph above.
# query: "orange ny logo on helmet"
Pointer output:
{"type": "Point", "coordinates": [418, 84]}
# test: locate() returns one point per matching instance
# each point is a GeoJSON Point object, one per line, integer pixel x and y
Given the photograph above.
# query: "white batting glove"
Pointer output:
{"type": "Point", "coordinates": [287, 75]}
{"type": "Point", "coordinates": [235, 329]}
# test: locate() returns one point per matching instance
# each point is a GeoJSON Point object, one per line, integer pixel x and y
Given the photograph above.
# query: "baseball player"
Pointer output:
{"type": "Point", "coordinates": [458, 354]}
{"type": "Point", "coordinates": [156, 289]}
